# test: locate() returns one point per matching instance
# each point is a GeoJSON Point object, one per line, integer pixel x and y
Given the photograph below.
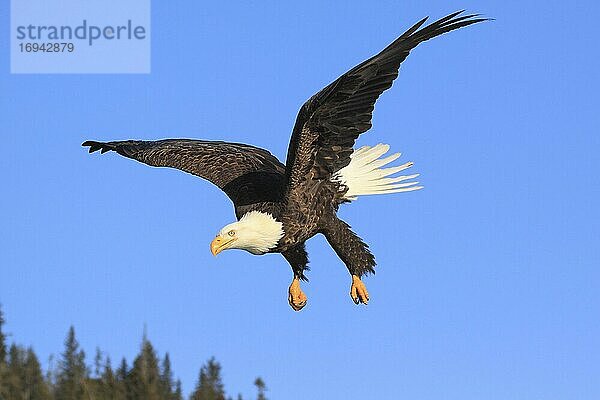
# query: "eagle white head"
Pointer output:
{"type": "Point", "coordinates": [255, 232]}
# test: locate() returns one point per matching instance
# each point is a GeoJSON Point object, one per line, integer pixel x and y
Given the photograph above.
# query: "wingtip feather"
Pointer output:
{"type": "Point", "coordinates": [95, 146]}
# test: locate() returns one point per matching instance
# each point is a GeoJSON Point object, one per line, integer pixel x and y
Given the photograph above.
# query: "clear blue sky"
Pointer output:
{"type": "Point", "coordinates": [487, 284]}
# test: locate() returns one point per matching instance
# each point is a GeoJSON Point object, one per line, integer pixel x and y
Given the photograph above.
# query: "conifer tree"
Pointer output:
{"type": "Point", "coordinates": [13, 384]}
{"type": "Point", "coordinates": [166, 379]}
{"type": "Point", "coordinates": [95, 384]}
{"type": "Point", "coordinates": [107, 386]}
{"type": "Point", "coordinates": [72, 371]}
{"type": "Point", "coordinates": [178, 395]}
{"type": "Point", "coordinates": [2, 338]}
{"type": "Point", "coordinates": [3, 365]}
{"type": "Point", "coordinates": [23, 378]}
{"type": "Point", "coordinates": [119, 391]}
{"type": "Point", "coordinates": [123, 370]}
{"type": "Point", "coordinates": [51, 373]}
{"type": "Point", "coordinates": [36, 387]}
{"type": "Point", "coordinates": [261, 387]}
{"type": "Point", "coordinates": [97, 363]}
{"type": "Point", "coordinates": [209, 386]}
{"type": "Point", "coordinates": [144, 381]}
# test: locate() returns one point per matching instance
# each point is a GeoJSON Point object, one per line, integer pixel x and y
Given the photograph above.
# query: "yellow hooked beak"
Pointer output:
{"type": "Point", "coordinates": [219, 244]}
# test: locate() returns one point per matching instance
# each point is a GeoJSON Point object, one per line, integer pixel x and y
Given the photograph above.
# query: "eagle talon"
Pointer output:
{"type": "Point", "coordinates": [358, 291]}
{"type": "Point", "coordinates": [296, 297]}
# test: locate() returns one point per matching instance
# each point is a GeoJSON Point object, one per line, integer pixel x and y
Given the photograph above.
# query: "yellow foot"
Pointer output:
{"type": "Point", "coordinates": [296, 298]}
{"type": "Point", "coordinates": [358, 291]}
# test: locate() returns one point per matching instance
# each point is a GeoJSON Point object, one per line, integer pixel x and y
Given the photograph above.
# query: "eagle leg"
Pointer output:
{"type": "Point", "coordinates": [296, 297]}
{"type": "Point", "coordinates": [354, 253]}
{"type": "Point", "coordinates": [298, 259]}
{"type": "Point", "coordinates": [358, 291]}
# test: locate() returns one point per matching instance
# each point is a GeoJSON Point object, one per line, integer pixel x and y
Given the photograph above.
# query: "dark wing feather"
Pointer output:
{"type": "Point", "coordinates": [329, 122]}
{"type": "Point", "coordinates": [247, 174]}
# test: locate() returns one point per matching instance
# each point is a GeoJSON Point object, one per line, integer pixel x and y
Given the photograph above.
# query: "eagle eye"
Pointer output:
{"type": "Point", "coordinates": [231, 233]}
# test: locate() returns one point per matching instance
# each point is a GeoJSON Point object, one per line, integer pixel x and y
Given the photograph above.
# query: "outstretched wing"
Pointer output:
{"type": "Point", "coordinates": [247, 174]}
{"type": "Point", "coordinates": [328, 124]}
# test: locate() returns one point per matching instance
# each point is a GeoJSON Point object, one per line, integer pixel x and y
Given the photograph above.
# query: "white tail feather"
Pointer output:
{"type": "Point", "coordinates": [364, 174]}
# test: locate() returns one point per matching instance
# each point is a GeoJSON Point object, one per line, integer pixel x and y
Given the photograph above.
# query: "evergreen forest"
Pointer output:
{"type": "Point", "coordinates": [72, 377]}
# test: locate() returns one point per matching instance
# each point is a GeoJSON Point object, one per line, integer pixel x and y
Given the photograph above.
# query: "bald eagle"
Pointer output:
{"type": "Point", "coordinates": [279, 207]}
